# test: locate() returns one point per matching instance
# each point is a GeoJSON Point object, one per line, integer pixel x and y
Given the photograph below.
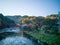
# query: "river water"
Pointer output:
{"type": "Point", "coordinates": [11, 36]}
{"type": "Point", "coordinates": [14, 40]}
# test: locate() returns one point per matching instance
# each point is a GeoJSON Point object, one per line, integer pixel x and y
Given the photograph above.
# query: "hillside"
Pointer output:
{"type": "Point", "coordinates": [5, 22]}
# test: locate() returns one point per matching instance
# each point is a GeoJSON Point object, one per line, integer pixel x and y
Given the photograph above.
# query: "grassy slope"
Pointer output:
{"type": "Point", "coordinates": [49, 38]}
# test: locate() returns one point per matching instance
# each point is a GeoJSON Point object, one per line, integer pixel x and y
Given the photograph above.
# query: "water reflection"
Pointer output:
{"type": "Point", "coordinates": [16, 41]}
{"type": "Point", "coordinates": [11, 29]}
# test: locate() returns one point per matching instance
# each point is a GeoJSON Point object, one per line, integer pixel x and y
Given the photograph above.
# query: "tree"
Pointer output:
{"type": "Point", "coordinates": [51, 21]}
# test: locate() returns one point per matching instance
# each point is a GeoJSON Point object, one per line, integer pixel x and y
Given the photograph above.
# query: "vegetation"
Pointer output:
{"type": "Point", "coordinates": [42, 28]}
{"type": "Point", "coordinates": [5, 22]}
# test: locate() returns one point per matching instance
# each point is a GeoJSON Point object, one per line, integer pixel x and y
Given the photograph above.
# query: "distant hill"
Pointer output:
{"type": "Point", "coordinates": [15, 18]}
{"type": "Point", "coordinates": [5, 22]}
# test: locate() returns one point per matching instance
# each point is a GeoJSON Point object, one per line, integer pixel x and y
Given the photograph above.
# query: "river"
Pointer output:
{"type": "Point", "coordinates": [13, 38]}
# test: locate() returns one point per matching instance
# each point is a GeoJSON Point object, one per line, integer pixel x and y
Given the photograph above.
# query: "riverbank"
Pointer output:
{"type": "Point", "coordinates": [48, 38]}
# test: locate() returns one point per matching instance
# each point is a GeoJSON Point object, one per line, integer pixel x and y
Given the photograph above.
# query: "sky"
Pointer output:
{"type": "Point", "coordinates": [29, 7]}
